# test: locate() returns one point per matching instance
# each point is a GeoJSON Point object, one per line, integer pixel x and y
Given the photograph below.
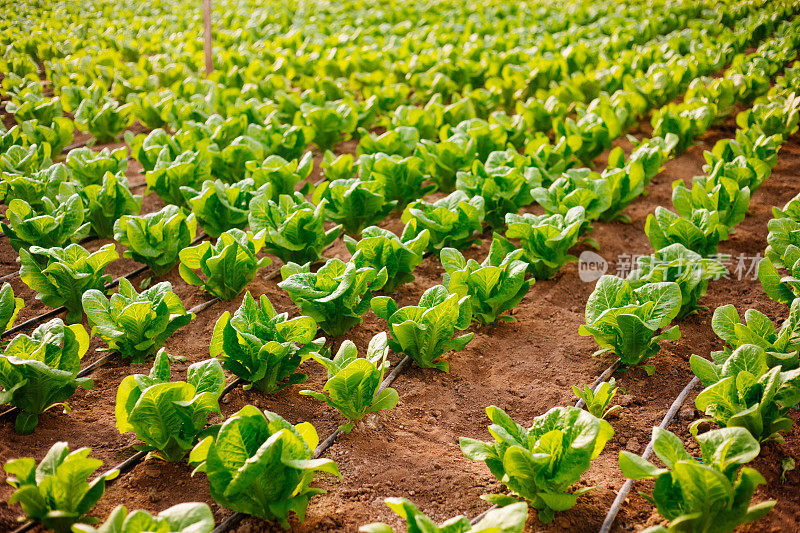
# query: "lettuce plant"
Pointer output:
{"type": "Point", "coordinates": [60, 276]}
{"type": "Point", "coordinates": [721, 195]}
{"type": "Point", "coordinates": [744, 391]}
{"type": "Point", "coordinates": [782, 253]}
{"type": "Point", "coordinates": [487, 137]}
{"type": "Point", "coordinates": [354, 383]}
{"type": "Point", "coordinates": [9, 306]}
{"type": "Point", "coordinates": [291, 227]}
{"type": "Point", "coordinates": [505, 189]}
{"type": "Point", "coordinates": [353, 203]}
{"type": "Point", "coordinates": [380, 248]}
{"type": "Point", "coordinates": [425, 332]}
{"type": "Point", "coordinates": [18, 161]}
{"type": "Point", "coordinates": [89, 167]}
{"type": "Point", "coordinates": [686, 120]}
{"type": "Point", "coordinates": [508, 519]}
{"type": "Point", "coordinates": [56, 224]}
{"type": "Point", "coordinates": [192, 517]}
{"type": "Point", "coordinates": [228, 265]}
{"type": "Point", "coordinates": [259, 464]}
{"type": "Point", "coordinates": [444, 160]}
{"type": "Point", "coordinates": [781, 345]}
{"type": "Point", "coordinates": [156, 239]}
{"type": "Point", "coordinates": [576, 187]}
{"type": "Point", "coordinates": [57, 134]}
{"type": "Point", "coordinates": [336, 296]}
{"type": "Point", "coordinates": [425, 121]}
{"type": "Point", "coordinates": [751, 142]}
{"type": "Point", "coordinates": [156, 145]}
{"type": "Point", "coordinates": [218, 206]}
{"type": "Point", "coordinates": [263, 347]}
{"type": "Point", "coordinates": [701, 232]}
{"type": "Point", "coordinates": [135, 324]}
{"type": "Point", "coordinates": [169, 416]}
{"type": "Point", "coordinates": [545, 239]}
{"type": "Point", "coordinates": [625, 182]}
{"type": "Point", "coordinates": [541, 463]}
{"type": "Point", "coordinates": [745, 171]}
{"type": "Point", "coordinates": [624, 320]}
{"type": "Point", "coordinates": [494, 286]}
{"type": "Point", "coordinates": [104, 119]}
{"type": "Point", "coordinates": [710, 493]}
{"type": "Point", "coordinates": [777, 115]}
{"type": "Point", "coordinates": [400, 141]}
{"type": "Point", "coordinates": [452, 221]}
{"type": "Point", "coordinates": [676, 263]}
{"type": "Point", "coordinates": [401, 178]}
{"type": "Point", "coordinates": [153, 110]}
{"type": "Point", "coordinates": [598, 398]}
{"type": "Point", "coordinates": [57, 493]}
{"type": "Point", "coordinates": [39, 371]}
{"type": "Point", "coordinates": [105, 203]}
{"type": "Point", "coordinates": [277, 176]}
{"type": "Point", "coordinates": [330, 123]}
{"type": "Point", "coordinates": [34, 185]}
{"type": "Point", "coordinates": [188, 169]}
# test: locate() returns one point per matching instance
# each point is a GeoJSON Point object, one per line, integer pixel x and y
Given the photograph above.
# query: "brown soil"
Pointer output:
{"type": "Point", "coordinates": [525, 367]}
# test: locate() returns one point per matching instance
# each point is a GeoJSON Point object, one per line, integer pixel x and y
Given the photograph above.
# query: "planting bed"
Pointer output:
{"type": "Point", "coordinates": [525, 367]}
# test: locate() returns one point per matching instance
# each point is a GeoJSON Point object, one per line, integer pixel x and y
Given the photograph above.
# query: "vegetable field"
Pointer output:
{"type": "Point", "coordinates": [378, 266]}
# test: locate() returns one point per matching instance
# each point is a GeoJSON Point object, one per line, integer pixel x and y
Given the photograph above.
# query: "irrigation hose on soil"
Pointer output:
{"type": "Point", "coordinates": [626, 488]}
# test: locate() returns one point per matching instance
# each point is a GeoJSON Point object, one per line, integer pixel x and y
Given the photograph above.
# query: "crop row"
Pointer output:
{"type": "Point", "coordinates": [490, 186]}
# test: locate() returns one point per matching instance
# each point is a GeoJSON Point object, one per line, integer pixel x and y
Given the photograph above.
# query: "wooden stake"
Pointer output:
{"type": "Point", "coordinates": [207, 36]}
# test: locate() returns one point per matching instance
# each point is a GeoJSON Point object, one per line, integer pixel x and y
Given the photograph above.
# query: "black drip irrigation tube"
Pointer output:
{"type": "Point", "coordinates": [626, 488]}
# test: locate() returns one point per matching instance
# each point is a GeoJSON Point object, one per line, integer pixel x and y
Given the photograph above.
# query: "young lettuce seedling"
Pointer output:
{"type": "Point", "coordinates": [676, 263]}
{"type": "Point", "coordinates": [262, 347]}
{"type": "Point", "coordinates": [60, 276]}
{"type": "Point", "coordinates": [260, 464]}
{"type": "Point", "coordinates": [744, 391]}
{"type": "Point", "coordinates": [508, 519]}
{"type": "Point", "coordinates": [597, 399]}
{"type": "Point", "coordinates": [169, 416]}
{"type": "Point", "coordinates": [156, 239]}
{"type": "Point", "coordinates": [189, 517]}
{"type": "Point", "coordinates": [425, 332]}
{"type": "Point", "coordinates": [781, 346]}
{"type": "Point", "coordinates": [336, 296]}
{"type": "Point", "coordinates": [380, 248]}
{"type": "Point", "coordinates": [291, 227]}
{"type": "Point", "coordinates": [712, 494]}
{"type": "Point", "coordinates": [135, 324]}
{"type": "Point", "coordinates": [494, 286]}
{"type": "Point", "coordinates": [624, 320]}
{"type": "Point", "coordinates": [452, 221]}
{"type": "Point", "coordinates": [541, 463]}
{"type": "Point", "coordinates": [56, 224]}
{"type": "Point", "coordinates": [353, 386]}
{"type": "Point", "coordinates": [228, 265]}
{"type": "Point", "coordinates": [39, 372]}
{"type": "Point", "coordinates": [546, 240]}
{"type": "Point", "coordinates": [57, 493]}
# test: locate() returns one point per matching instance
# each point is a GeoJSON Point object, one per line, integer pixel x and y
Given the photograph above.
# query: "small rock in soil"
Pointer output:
{"type": "Point", "coordinates": [633, 445]}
